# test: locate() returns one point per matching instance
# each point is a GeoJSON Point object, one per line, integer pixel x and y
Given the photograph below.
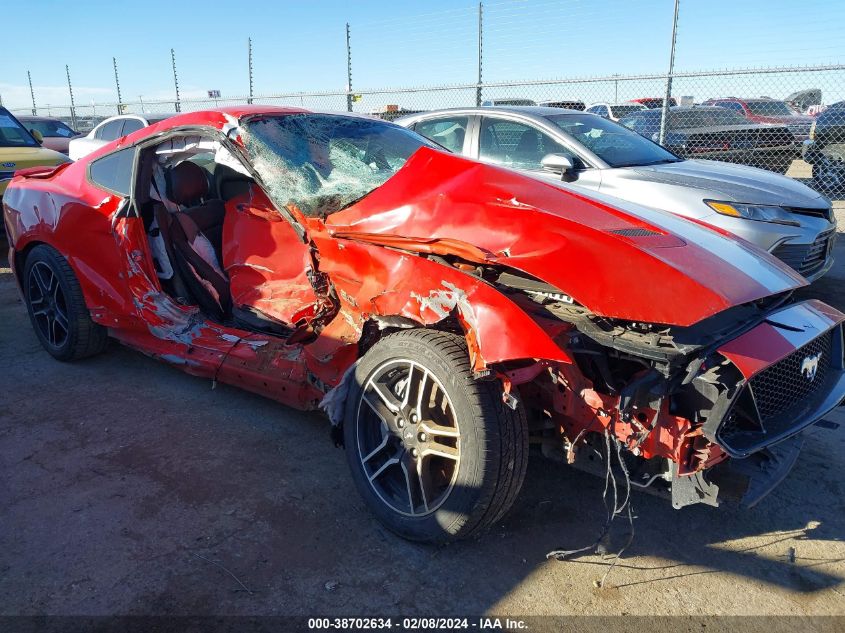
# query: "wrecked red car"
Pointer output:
{"type": "Point", "coordinates": [445, 313]}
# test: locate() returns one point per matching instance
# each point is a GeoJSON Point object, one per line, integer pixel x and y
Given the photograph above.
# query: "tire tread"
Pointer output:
{"type": "Point", "coordinates": [86, 337]}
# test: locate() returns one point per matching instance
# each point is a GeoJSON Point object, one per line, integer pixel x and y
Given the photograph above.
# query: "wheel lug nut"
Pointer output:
{"type": "Point", "coordinates": [423, 437]}
{"type": "Point", "coordinates": [414, 418]}
{"type": "Point", "coordinates": [414, 452]}
{"type": "Point", "coordinates": [401, 424]}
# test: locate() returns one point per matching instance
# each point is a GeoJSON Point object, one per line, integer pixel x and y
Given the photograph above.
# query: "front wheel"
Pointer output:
{"type": "Point", "coordinates": [435, 454]}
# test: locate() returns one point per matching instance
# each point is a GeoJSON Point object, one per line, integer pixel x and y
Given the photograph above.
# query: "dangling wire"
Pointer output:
{"type": "Point", "coordinates": [613, 510]}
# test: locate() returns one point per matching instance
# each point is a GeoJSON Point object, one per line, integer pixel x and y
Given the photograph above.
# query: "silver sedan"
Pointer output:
{"type": "Point", "coordinates": [585, 151]}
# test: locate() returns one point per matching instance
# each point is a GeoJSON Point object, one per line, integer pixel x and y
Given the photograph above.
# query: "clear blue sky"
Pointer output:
{"type": "Point", "coordinates": [300, 46]}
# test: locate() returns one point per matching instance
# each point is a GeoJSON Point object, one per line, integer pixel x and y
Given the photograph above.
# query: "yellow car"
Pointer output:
{"type": "Point", "coordinates": [20, 149]}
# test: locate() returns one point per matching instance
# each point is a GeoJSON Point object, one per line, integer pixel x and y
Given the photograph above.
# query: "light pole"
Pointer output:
{"type": "Point", "coordinates": [664, 116]}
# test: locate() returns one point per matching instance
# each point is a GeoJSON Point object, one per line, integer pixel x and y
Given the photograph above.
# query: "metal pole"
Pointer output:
{"type": "Point", "coordinates": [348, 71]}
{"type": "Point", "coordinates": [480, 56]}
{"type": "Point", "coordinates": [249, 46]}
{"type": "Point", "coordinates": [117, 84]}
{"type": "Point", "coordinates": [664, 116]}
{"type": "Point", "coordinates": [175, 80]}
{"type": "Point", "coordinates": [616, 89]}
{"type": "Point", "coordinates": [72, 105]}
{"type": "Point", "coordinates": [32, 94]}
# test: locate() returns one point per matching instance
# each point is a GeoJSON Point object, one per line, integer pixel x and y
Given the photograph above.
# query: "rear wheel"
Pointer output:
{"type": "Point", "coordinates": [435, 453]}
{"type": "Point", "coordinates": [57, 308]}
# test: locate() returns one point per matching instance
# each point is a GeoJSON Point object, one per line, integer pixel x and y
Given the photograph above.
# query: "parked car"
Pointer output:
{"type": "Point", "coordinates": [508, 102]}
{"type": "Point", "coordinates": [567, 104]}
{"type": "Point", "coordinates": [805, 101]}
{"type": "Point", "coordinates": [109, 130]}
{"type": "Point", "coordinates": [443, 311]}
{"type": "Point", "coordinates": [614, 111]}
{"type": "Point", "coordinates": [778, 214]}
{"type": "Point", "coordinates": [719, 134]}
{"type": "Point", "coordinates": [55, 134]}
{"type": "Point", "coordinates": [825, 150]}
{"type": "Point", "coordinates": [20, 149]}
{"type": "Point", "coordinates": [654, 102]}
{"type": "Point", "coordinates": [766, 110]}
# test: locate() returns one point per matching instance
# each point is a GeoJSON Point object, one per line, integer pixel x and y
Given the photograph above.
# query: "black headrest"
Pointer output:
{"type": "Point", "coordinates": [187, 183]}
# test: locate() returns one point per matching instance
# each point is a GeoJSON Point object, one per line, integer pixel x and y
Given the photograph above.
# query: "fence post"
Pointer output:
{"type": "Point", "coordinates": [117, 84]}
{"type": "Point", "coordinates": [480, 53]}
{"type": "Point", "coordinates": [175, 80]}
{"type": "Point", "coordinates": [32, 94]}
{"type": "Point", "coordinates": [664, 116]}
{"type": "Point", "coordinates": [72, 105]}
{"type": "Point", "coordinates": [249, 47]}
{"type": "Point", "coordinates": [348, 71]}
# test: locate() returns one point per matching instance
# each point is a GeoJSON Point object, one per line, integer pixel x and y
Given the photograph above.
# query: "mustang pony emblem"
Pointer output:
{"type": "Point", "coordinates": [809, 366]}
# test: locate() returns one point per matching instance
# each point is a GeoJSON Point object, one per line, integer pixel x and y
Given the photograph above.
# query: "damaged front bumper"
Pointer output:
{"type": "Point", "coordinates": [733, 432]}
{"type": "Point", "coordinates": [794, 371]}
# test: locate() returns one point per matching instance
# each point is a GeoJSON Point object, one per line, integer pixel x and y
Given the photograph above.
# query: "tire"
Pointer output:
{"type": "Point", "coordinates": [57, 308]}
{"type": "Point", "coordinates": [829, 175]}
{"type": "Point", "coordinates": [471, 449]}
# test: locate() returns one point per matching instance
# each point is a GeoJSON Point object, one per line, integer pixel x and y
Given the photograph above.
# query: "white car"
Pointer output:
{"type": "Point", "coordinates": [110, 130]}
{"type": "Point", "coordinates": [614, 111]}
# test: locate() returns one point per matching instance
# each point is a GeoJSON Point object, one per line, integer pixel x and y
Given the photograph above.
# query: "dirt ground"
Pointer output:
{"type": "Point", "coordinates": [127, 487]}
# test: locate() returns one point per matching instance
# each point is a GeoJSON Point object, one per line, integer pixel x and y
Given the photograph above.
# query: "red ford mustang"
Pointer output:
{"type": "Point", "coordinates": [443, 312]}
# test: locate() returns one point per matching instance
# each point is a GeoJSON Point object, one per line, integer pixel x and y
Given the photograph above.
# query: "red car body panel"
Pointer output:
{"type": "Point", "coordinates": [767, 344]}
{"type": "Point", "coordinates": [614, 263]}
{"type": "Point", "coordinates": [529, 226]}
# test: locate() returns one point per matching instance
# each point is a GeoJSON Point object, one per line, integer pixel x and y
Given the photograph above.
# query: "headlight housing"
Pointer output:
{"type": "Point", "coordinates": [759, 212]}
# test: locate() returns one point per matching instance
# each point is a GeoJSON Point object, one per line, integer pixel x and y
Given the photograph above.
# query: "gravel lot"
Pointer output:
{"type": "Point", "coordinates": [127, 487]}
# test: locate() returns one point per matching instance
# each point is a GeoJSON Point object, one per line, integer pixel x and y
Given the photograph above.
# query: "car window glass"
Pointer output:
{"type": "Point", "coordinates": [321, 163]}
{"type": "Point", "coordinates": [705, 116]}
{"type": "Point", "coordinates": [114, 172]}
{"type": "Point", "coordinates": [515, 144]}
{"type": "Point", "coordinates": [611, 142]}
{"type": "Point", "coordinates": [449, 133]}
{"type": "Point", "coordinates": [110, 131]}
{"type": "Point", "coordinates": [131, 125]}
{"type": "Point", "coordinates": [50, 129]}
{"type": "Point", "coordinates": [624, 110]}
{"type": "Point", "coordinates": [12, 134]}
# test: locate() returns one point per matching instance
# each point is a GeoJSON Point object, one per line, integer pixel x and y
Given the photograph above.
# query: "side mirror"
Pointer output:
{"type": "Point", "coordinates": [559, 164]}
{"type": "Point", "coordinates": [37, 136]}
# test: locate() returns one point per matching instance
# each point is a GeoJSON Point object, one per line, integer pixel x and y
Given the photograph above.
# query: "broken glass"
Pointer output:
{"type": "Point", "coordinates": [321, 163]}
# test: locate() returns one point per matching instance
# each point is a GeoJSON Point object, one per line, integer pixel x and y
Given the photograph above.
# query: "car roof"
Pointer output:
{"type": "Point", "coordinates": [30, 117]}
{"type": "Point", "coordinates": [614, 105]}
{"type": "Point", "coordinates": [218, 118]}
{"type": "Point", "coordinates": [679, 109]}
{"type": "Point", "coordinates": [538, 112]}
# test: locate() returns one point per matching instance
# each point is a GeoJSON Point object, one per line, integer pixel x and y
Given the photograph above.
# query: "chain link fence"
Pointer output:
{"type": "Point", "coordinates": [757, 117]}
{"type": "Point", "coordinates": [469, 51]}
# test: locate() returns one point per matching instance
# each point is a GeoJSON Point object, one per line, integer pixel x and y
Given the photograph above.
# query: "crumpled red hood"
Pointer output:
{"type": "Point", "coordinates": [638, 263]}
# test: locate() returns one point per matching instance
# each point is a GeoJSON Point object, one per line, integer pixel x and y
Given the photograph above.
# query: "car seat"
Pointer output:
{"type": "Point", "coordinates": [195, 236]}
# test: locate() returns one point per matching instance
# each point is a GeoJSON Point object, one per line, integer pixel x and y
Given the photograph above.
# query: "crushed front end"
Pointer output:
{"type": "Point", "coordinates": [707, 413]}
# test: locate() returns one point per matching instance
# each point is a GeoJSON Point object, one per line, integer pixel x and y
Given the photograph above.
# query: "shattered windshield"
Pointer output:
{"type": "Point", "coordinates": [322, 163]}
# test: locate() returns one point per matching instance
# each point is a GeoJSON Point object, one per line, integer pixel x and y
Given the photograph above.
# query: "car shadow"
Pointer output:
{"type": "Point", "coordinates": [761, 543]}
